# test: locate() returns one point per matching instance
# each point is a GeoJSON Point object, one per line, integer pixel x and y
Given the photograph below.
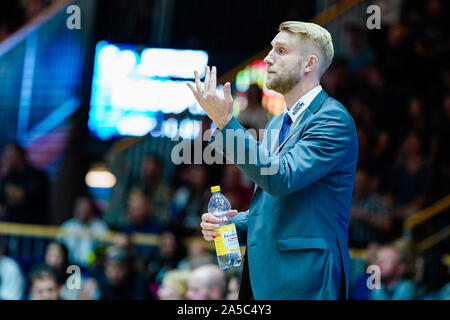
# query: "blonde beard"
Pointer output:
{"type": "Point", "coordinates": [283, 84]}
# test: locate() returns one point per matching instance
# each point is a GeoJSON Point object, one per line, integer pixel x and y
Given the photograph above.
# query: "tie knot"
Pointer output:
{"type": "Point", "coordinates": [287, 119]}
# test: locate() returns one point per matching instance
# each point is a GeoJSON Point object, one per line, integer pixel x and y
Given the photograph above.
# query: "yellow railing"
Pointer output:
{"type": "Point", "coordinates": [427, 213]}
{"type": "Point", "coordinates": [54, 232]}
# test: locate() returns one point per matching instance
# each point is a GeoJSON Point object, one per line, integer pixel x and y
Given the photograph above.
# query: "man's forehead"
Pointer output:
{"type": "Point", "coordinates": [286, 38]}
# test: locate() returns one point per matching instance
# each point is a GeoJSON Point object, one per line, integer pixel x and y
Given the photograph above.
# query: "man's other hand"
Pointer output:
{"type": "Point", "coordinates": [210, 223]}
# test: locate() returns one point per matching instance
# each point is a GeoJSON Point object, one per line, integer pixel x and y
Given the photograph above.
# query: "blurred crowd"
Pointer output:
{"type": "Point", "coordinates": [396, 84]}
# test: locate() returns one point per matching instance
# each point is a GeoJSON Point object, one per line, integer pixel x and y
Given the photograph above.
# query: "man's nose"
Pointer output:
{"type": "Point", "coordinates": [268, 59]}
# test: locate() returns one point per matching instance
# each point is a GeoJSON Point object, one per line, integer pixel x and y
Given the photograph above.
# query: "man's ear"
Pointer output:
{"type": "Point", "coordinates": [312, 63]}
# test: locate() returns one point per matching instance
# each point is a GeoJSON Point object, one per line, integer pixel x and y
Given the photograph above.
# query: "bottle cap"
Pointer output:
{"type": "Point", "coordinates": [215, 189]}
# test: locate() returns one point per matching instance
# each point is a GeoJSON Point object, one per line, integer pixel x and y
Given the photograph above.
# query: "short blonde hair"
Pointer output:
{"type": "Point", "coordinates": [318, 35]}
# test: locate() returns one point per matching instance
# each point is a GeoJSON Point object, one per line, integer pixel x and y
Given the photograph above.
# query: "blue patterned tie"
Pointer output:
{"type": "Point", "coordinates": [284, 128]}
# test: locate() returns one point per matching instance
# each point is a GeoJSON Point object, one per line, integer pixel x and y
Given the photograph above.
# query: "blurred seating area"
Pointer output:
{"type": "Point", "coordinates": [145, 241]}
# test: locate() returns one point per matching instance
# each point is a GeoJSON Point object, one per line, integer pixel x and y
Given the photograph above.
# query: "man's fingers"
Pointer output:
{"type": "Point", "coordinates": [209, 226]}
{"type": "Point", "coordinates": [207, 77]}
{"type": "Point", "coordinates": [208, 233]}
{"type": "Point", "coordinates": [208, 217]}
{"type": "Point", "coordinates": [193, 90]}
{"type": "Point", "coordinates": [198, 83]}
{"type": "Point", "coordinates": [227, 92]}
{"type": "Point", "coordinates": [213, 80]}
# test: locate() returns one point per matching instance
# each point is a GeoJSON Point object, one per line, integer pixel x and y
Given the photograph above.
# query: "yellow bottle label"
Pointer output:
{"type": "Point", "coordinates": [227, 240]}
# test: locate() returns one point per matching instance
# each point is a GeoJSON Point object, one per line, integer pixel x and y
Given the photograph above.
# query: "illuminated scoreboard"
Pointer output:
{"type": "Point", "coordinates": [136, 91]}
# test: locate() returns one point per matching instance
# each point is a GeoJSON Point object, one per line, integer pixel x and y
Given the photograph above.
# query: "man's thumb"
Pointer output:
{"type": "Point", "coordinates": [233, 213]}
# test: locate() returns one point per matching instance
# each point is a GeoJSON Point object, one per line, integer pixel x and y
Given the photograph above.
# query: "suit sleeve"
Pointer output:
{"type": "Point", "coordinates": [324, 142]}
{"type": "Point", "coordinates": [241, 221]}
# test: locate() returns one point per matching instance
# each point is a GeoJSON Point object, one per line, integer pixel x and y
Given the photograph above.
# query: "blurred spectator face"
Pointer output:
{"type": "Point", "coordinates": [33, 8]}
{"type": "Point", "coordinates": [138, 208]}
{"type": "Point", "coordinates": [167, 244]}
{"type": "Point", "coordinates": [233, 289]}
{"type": "Point", "coordinates": [83, 211]}
{"type": "Point", "coordinates": [13, 157]}
{"type": "Point", "coordinates": [45, 289]}
{"type": "Point", "coordinates": [116, 272]}
{"type": "Point", "coordinates": [413, 143]}
{"type": "Point", "coordinates": [388, 259]}
{"type": "Point", "coordinates": [397, 35]}
{"type": "Point", "coordinates": [117, 265]}
{"type": "Point", "coordinates": [174, 285]}
{"type": "Point", "coordinates": [206, 283]}
{"type": "Point", "coordinates": [54, 256]}
{"type": "Point", "coordinates": [415, 108]}
{"type": "Point", "coordinates": [151, 169]}
{"type": "Point", "coordinates": [434, 8]}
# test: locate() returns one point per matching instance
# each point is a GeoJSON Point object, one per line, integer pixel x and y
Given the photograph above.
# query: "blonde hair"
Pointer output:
{"type": "Point", "coordinates": [320, 37]}
{"type": "Point", "coordinates": [177, 281]}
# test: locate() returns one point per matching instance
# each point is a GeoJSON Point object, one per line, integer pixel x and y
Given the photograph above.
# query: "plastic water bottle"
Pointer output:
{"type": "Point", "coordinates": [227, 243]}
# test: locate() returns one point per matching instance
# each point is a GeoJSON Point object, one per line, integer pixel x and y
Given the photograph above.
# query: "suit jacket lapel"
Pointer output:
{"type": "Point", "coordinates": [312, 109]}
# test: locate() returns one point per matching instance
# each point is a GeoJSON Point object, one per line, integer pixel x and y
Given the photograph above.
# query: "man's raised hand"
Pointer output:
{"type": "Point", "coordinates": [217, 108]}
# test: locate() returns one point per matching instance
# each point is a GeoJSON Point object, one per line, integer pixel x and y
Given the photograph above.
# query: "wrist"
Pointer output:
{"type": "Point", "coordinates": [223, 124]}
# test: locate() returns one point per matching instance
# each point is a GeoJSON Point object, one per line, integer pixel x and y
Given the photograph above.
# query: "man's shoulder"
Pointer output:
{"type": "Point", "coordinates": [331, 108]}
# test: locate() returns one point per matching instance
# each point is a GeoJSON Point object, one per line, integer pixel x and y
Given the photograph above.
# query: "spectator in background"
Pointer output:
{"type": "Point", "coordinates": [24, 190]}
{"type": "Point", "coordinates": [410, 179]}
{"type": "Point", "coordinates": [197, 255]}
{"type": "Point", "coordinates": [156, 188]}
{"type": "Point", "coordinates": [190, 198]}
{"type": "Point", "coordinates": [12, 280]}
{"type": "Point", "coordinates": [174, 285]}
{"type": "Point", "coordinates": [359, 54]}
{"type": "Point", "coordinates": [57, 259]}
{"type": "Point", "coordinates": [233, 283]}
{"type": "Point", "coordinates": [232, 186]}
{"type": "Point", "coordinates": [369, 220]}
{"type": "Point", "coordinates": [393, 284]}
{"type": "Point", "coordinates": [77, 231]}
{"type": "Point", "coordinates": [417, 119]}
{"type": "Point", "coordinates": [358, 287]}
{"type": "Point", "coordinates": [44, 284]}
{"type": "Point", "coordinates": [207, 282]}
{"type": "Point", "coordinates": [167, 257]}
{"type": "Point", "coordinates": [140, 214]}
{"type": "Point", "coordinates": [120, 280]}
{"type": "Point", "coordinates": [432, 278]}
{"type": "Point", "coordinates": [254, 116]}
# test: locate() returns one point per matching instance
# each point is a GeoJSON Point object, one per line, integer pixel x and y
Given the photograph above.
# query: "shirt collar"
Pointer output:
{"type": "Point", "coordinates": [303, 103]}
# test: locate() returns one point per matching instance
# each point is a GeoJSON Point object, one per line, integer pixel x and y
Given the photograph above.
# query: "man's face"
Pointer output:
{"type": "Point", "coordinates": [45, 289]}
{"type": "Point", "coordinates": [284, 62]}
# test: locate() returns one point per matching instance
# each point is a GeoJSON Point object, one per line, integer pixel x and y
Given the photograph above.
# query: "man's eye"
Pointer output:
{"type": "Point", "coordinates": [281, 51]}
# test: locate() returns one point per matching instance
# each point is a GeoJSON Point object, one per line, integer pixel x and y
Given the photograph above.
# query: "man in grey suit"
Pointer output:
{"type": "Point", "coordinates": [296, 228]}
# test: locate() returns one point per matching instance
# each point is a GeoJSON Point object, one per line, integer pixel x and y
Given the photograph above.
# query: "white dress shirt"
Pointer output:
{"type": "Point", "coordinates": [298, 109]}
